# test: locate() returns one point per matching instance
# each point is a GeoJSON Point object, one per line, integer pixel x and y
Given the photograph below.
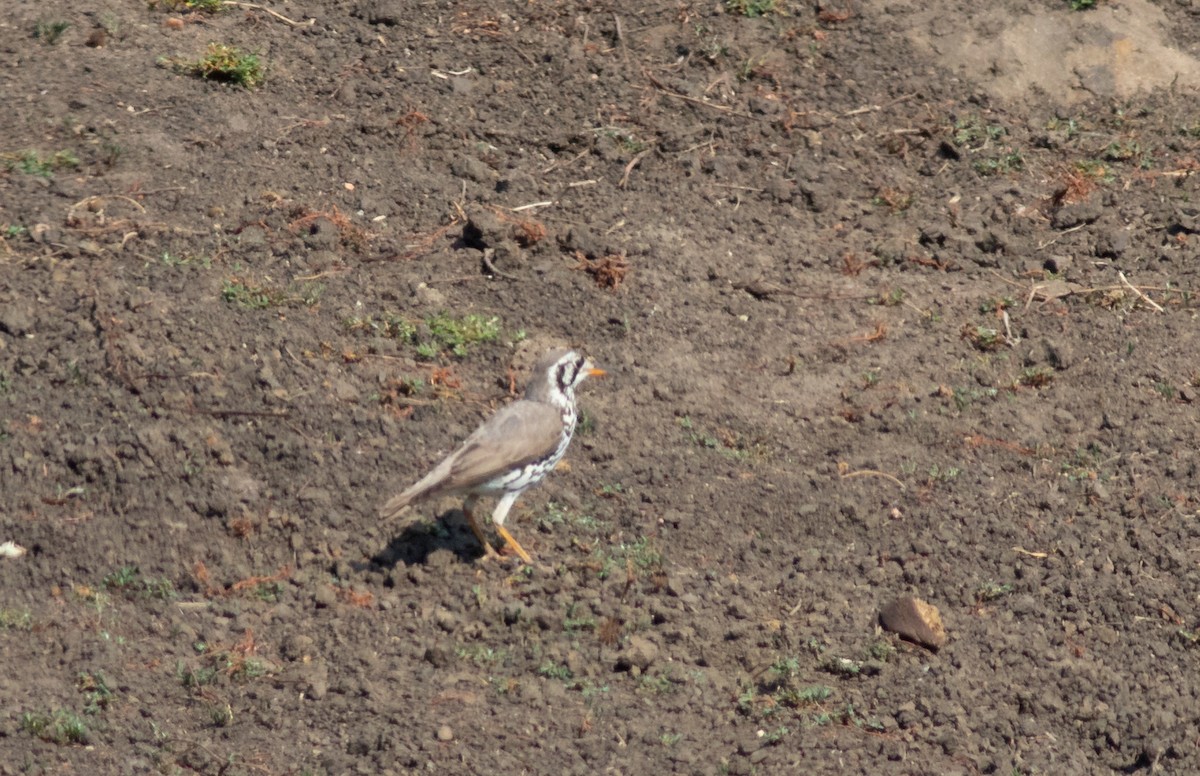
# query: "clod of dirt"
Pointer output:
{"type": "Point", "coordinates": [639, 653]}
{"type": "Point", "coordinates": [445, 733]}
{"type": "Point", "coordinates": [914, 620]}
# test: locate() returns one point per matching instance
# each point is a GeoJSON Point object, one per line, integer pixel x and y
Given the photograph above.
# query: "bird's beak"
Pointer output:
{"type": "Point", "coordinates": [594, 372]}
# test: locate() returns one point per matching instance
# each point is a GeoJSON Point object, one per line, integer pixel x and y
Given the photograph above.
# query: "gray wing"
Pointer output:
{"type": "Point", "coordinates": [522, 432]}
{"type": "Point", "coordinates": [516, 435]}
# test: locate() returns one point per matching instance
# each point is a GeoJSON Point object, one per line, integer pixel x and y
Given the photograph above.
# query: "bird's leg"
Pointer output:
{"type": "Point", "coordinates": [498, 515]}
{"type": "Point", "coordinates": [469, 511]}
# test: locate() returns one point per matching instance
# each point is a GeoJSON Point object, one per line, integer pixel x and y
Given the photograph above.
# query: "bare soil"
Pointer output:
{"type": "Point", "coordinates": [884, 315]}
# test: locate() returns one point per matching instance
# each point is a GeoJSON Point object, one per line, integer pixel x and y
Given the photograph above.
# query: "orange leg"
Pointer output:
{"type": "Point", "coordinates": [468, 510]}
{"type": "Point", "coordinates": [514, 544]}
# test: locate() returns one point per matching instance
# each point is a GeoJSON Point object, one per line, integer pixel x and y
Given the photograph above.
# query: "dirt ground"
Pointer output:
{"type": "Point", "coordinates": [895, 299]}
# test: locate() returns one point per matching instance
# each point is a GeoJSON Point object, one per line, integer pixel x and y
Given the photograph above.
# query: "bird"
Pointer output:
{"type": "Point", "coordinates": [512, 451]}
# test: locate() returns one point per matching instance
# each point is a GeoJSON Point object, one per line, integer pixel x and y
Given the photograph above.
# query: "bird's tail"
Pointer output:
{"type": "Point", "coordinates": [396, 504]}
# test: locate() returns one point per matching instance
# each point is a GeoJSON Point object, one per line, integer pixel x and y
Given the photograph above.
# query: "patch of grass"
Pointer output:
{"type": "Point", "coordinates": [96, 691]}
{"type": "Point", "coordinates": [1166, 390]}
{"type": "Point", "coordinates": [435, 335]}
{"type": "Point", "coordinates": [662, 683]}
{"type": "Point", "coordinates": [552, 670]}
{"type": "Point", "coordinates": [724, 441]}
{"type": "Point", "coordinates": [638, 558]}
{"type": "Point", "coordinates": [482, 655]}
{"type": "Point", "coordinates": [940, 474]}
{"type": "Point", "coordinates": [1081, 5]}
{"type": "Point", "coordinates": [972, 133]}
{"type": "Point", "coordinates": [881, 649]}
{"type": "Point", "coordinates": [61, 727]}
{"type": "Point", "coordinates": [225, 64]}
{"type": "Point", "coordinates": [984, 338]}
{"type": "Point", "coordinates": [41, 165]}
{"type": "Point", "coordinates": [129, 580]}
{"type": "Point", "coordinates": [5, 383]}
{"type": "Point", "coordinates": [964, 397]}
{"type": "Point", "coordinates": [751, 8]}
{"type": "Point", "coordinates": [1036, 376]}
{"type": "Point", "coordinates": [842, 666]}
{"type": "Point", "coordinates": [169, 259]}
{"type": "Point", "coordinates": [1011, 161]}
{"type": "Point", "coordinates": [16, 619]}
{"type": "Point", "coordinates": [889, 298]}
{"type": "Point", "coordinates": [1086, 464]}
{"type": "Point", "coordinates": [573, 622]}
{"type": "Point", "coordinates": [251, 295]}
{"type": "Point", "coordinates": [50, 32]}
{"type": "Point", "coordinates": [458, 335]}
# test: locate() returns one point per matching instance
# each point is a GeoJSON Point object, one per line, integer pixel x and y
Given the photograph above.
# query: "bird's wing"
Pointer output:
{"type": "Point", "coordinates": [518, 434]}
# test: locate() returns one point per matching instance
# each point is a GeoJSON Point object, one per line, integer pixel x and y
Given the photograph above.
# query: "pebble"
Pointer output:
{"type": "Point", "coordinates": [445, 733]}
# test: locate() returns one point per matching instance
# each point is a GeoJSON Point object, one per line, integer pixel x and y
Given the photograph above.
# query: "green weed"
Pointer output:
{"type": "Point", "coordinates": [34, 163]}
{"type": "Point", "coordinates": [129, 580]}
{"type": "Point", "coordinates": [50, 32]}
{"type": "Point", "coordinates": [751, 8]}
{"type": "Point", "coordinates": [224, 64]}
{"type": "Point", "coordinates": [16, 619]}
{"type": "Point", "coordinates": [61, 727]}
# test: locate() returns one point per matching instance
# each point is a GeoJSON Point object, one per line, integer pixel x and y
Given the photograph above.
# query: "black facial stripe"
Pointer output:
{"type": "Point", "coordinates": [567, 373]}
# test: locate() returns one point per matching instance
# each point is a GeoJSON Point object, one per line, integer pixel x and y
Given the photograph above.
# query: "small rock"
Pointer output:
{"type": "Point", "coordinates": [639, 653]}
{"type": "Point", "coordinates": [324, 597]}
{"type": "Point", "coordinates": [445, 733]}
{"type": "Point", "coordinates": [1076, 213]}
{"type": "Point", "coordinates": [914, 620]}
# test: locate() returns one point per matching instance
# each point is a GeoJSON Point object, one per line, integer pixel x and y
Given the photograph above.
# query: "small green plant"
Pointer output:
{"type": "Point", "coordinates": [50, 32]}
{"type": "Point", "coordinates": [16, 619]}
{"type": "Point", "coordinates": [553, 670]}
{"type": "Point", "coordinates": [254, 296]}
{"type": "Point", "coordinates": [751, 8]}
{"type": "Point", "coordinates": [640, 556]}
{"type": "Point", "coordinates": [96, 691]}
{"type": "Point", "coordinates": [990, 591]}
{"type": "Point", "coordinates": [195, 678]}
{"type": "Point", "coordinates": [890, 298]}
{"type": "Point", "coordinates": [1012, 161]}
{"type": "Point", "coordinates": [482, 655]}
{"type": "Point", "coordinates": [946, 474]}
{"type": "Point", "coordinates": [1166, 390]}
{"type": "Point", "coordinates": [34, 163]}
{"type": "Point", "coordinates": [458, 335]}
{"type": "Point", "coordinates": [965, 397]}
{"type": "Point", "coordinates": [226, 64]}
{"type": "Point", "coordinates": [61, 727]}
{"type": "Point", "coordinates": [573, 622]}
{"type": "Point", "coordinates": [984, 338]}
{"type": "Point", "coordinates": [1081, 5]}
{"type": "Point", "coordinates": [881, 649]}
{"type": "Point", "coordinates": [1036, 376]}
{"type": "Point", "coordinates": [776, 735]}
{"type": "Point", "coordinates": [670, 739]}
{"type": "Point", "coordinates": [129, 580]}
{"type": "Point", "coordinates": [972, 133]}
{"type": "Point", "coordinates": [996, 304]}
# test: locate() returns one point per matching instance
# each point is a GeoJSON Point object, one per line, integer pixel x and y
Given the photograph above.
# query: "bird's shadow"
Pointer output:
{"type": "Point", "coordinates": [448, 531]}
